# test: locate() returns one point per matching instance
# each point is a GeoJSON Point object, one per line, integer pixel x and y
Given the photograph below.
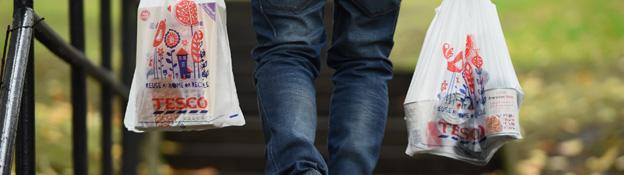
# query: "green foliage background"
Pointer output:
{"type": "Point", "coordinates": [569, 56]}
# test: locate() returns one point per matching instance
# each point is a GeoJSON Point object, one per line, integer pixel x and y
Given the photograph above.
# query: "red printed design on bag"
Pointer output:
{"type": "Point", "coordinates": [172, 38]}
{"type": "Point", "coordinates": [441, 130]}
{"type": "Point", "coordinates": [462, 94]}
{"type": "Point", "coordinates": [452, 64]}
{"type": "Point", "coordinates": [459, 63]}
{"type": "Point", "coordinates": [477, 60]}
{"type": "Point", "coordinates": [433, 138]}
{"type": "Point", "coordinates": [470, 53]}
{"type": "Point", "coordinates": [198, 37]}
{"type": "Point", "coordinates": [444, 86]}
{"type": "Point", "coordinates": [159, 36]}
{"type": "Point", "coordinates": [160, 51]}
{"type": "Point", "coordinates": [493, 124]}
{"type": "Point", "coordinates": [186, 12]}
{"type": "Point", "coordinates": [183, 56]}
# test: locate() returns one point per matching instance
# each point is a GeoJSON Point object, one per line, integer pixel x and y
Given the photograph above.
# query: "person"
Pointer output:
{"type": "Point", "coordinates": [290, 36]}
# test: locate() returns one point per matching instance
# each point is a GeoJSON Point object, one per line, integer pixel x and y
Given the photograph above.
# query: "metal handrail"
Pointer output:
{"type": "Point", "coordinates": [12, 88]}
{"type": "Point", "coordinates": [29, 26]}
{"type": "Point", "coordinates": [73, 56]}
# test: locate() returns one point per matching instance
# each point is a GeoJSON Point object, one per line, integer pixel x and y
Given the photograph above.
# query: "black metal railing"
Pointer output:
{"type": "Point", "coordinates": [17, 88]}
{"type": "Point", "coordinates": [106, 103]}
{"type": "Point", "coordinates": [12, 88]}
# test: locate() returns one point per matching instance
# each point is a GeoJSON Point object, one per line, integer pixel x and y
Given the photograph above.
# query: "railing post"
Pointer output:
{"type": "Point", "coordinates": [107, 95]}
{"type": "Point", "coordinates": [130, 141]}
{"type": "Point", "coordinates": [78, 90]}
{"type": "Point", "coordinates": [12, 87]}
{"type": "Point", "coordinates": [25, 142]}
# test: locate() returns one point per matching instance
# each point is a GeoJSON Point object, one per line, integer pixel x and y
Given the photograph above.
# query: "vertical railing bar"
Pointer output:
{"type": "Point", "coordinates": [106, 96]}
{"type": "Point", "coordinates": [78, 90]}
{"type": "Point", "coordinates": [25, 142]}
{"type": "Point", "coordinates": [130, 141]}
{"type": "Point", "coordinates": [12, 88]}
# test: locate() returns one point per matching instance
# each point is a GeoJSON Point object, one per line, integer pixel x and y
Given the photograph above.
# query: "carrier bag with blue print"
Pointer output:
{"type": "Point", "coordinates": [183, 78]}
{"type": "Point", "coordinates": [464, 98]}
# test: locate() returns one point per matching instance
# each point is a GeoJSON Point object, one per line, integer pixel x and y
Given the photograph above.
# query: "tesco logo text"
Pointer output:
{"type": "Point", "coordinates": [179, 103]}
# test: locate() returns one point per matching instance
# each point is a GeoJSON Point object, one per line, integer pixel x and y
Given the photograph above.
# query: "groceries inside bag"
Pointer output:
{"type": "Point", "coordinates": [464, 98]}
{"type": "Point", "coordinates": [183, 78]}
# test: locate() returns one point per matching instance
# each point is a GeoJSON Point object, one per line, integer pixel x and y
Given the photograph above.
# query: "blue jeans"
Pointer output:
{"type": "Point", "coordinates": [290, 36]}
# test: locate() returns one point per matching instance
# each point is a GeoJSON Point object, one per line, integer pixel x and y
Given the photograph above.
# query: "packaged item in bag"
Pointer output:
{"type": "Point", "coordinates": [464, 97]}
{"type": "Point", "coordinates": [183, 78]}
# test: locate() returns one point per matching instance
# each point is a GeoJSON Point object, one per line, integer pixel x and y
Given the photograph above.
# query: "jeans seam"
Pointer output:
{"type": "Point", "coordinates": [292, 10]}
{"type": "Point", "coordinates": [273, 29]}
{"type": "Point", "coordinates": [270, 155]}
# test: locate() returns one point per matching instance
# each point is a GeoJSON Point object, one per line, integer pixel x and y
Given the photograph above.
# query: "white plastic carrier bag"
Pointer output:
{"type": "Point", "coordinates": [183, 78]}
{"type": "Point", "coordinates": [464, 98]}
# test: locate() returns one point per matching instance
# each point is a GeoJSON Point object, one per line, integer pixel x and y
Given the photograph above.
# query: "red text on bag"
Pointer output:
{"type": "Point", "coordinates": [462, 133]}
{"type": "Point", "coordinates": [179, 103]}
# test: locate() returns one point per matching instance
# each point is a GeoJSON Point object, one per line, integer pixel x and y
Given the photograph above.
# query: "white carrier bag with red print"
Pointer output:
{"type": "Point", "coordinates": [464, 98]}
{"type": "Point", "coordinates": [183, 78]}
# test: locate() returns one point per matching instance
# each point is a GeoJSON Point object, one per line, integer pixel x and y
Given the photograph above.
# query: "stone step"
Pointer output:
{"type": "Point", "coordinates": [250, 158]}
{"type": "Point", "coordinates": [251, 133]}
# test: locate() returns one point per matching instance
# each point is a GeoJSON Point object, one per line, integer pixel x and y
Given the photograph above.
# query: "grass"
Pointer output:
{"type": "Point", "coordinates": [539, 33]}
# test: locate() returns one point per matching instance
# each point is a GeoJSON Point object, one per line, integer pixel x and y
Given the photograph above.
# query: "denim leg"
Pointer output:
{"type": "Point", "coordinates": [361, 44]}
{"type": "Point", "coordinates": [290, 36]}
